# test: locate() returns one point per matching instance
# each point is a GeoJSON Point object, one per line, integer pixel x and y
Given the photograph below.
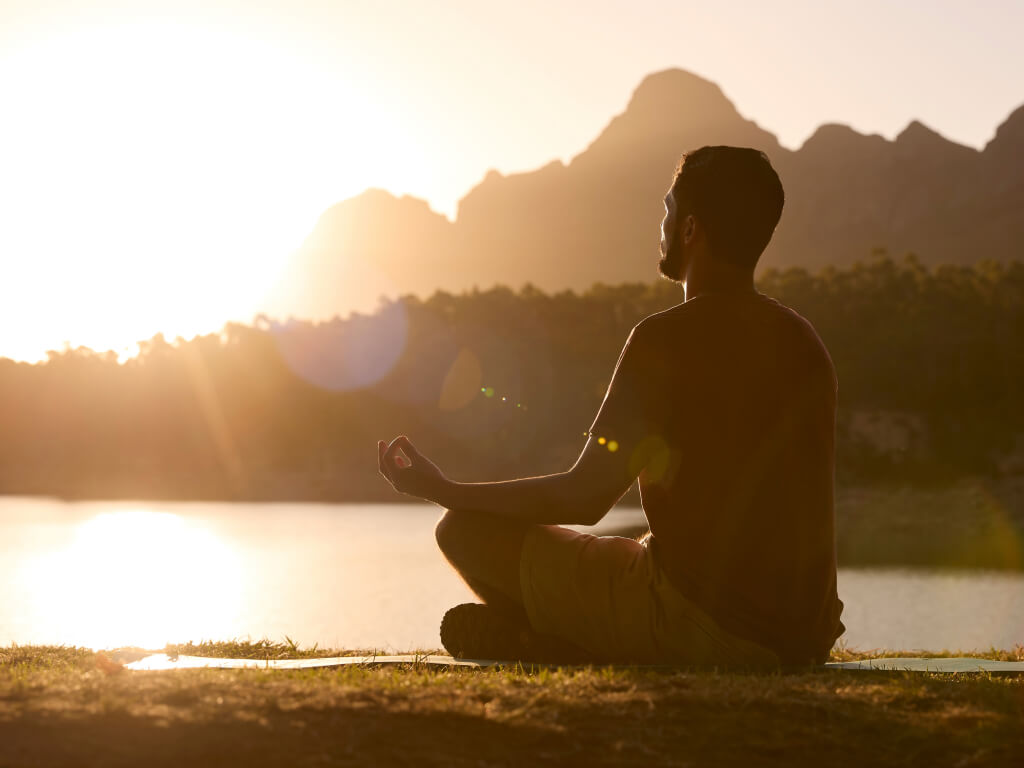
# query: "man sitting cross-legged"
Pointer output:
{"type": "Point", "coordinates": [724, 408]}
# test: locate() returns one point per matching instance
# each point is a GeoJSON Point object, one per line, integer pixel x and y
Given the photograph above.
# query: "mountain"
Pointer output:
{"type": "Point", "coordinates": [371, 245]}
{"type": "Point", "coordinates": [597, 217]}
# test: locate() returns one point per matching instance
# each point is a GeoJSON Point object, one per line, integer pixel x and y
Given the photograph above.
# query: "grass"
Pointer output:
{"type": "Point", "coordinates": [69, 706]}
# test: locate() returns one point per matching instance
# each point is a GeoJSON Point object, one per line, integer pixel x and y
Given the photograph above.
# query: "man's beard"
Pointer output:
{"type": "Point", "coordinates": [671, 264]}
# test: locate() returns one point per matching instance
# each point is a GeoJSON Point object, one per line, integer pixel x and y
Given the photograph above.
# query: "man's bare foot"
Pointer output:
{"type": "Point", "coordinates": [478, 631]}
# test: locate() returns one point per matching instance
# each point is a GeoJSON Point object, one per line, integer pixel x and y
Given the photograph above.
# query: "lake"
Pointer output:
{"type": "Point", "coordinates": [109, 574]}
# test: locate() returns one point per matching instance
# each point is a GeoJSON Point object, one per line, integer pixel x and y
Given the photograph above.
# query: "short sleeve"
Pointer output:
{"type": "Point", "coordinates": [623, 415]}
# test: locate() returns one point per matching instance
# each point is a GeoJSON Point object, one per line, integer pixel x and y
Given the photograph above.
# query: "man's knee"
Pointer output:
{"type": "Point", "coordinates": [450, 532]}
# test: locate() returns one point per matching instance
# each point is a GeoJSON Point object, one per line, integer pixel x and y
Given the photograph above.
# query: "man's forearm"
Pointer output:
{"type": "Point", "coordinates": [545, 500]}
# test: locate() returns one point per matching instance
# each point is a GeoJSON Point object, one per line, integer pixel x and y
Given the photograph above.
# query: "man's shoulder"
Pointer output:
{"type": "Point", "coordinates": [802, 337]}
{"type": "Point", "coordinates": [660, 320]}
{"type": "Point", "coordinates": [800, 323]}
{"type": "Point", "coordinates": [707, 308]}
{"type": "Point", "coordinates": [704, 314]}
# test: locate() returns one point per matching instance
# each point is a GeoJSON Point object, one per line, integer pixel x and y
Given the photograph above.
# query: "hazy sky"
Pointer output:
{"type": "Point", "coordinates": [159, 160]}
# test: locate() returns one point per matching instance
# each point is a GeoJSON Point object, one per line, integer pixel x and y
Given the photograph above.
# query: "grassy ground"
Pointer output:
{"type": "Point", "coordinates": [66, 706]}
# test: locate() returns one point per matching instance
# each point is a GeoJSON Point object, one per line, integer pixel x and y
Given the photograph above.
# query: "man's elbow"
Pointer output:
{"type": "Point", "coordinates": [595, 507]}
{"type": "Point", "coordinates": [594, 518]}
{"type": "Point", "coordinates": [588, 499]}
{"type": "Point", "coordinates": [571, 501]}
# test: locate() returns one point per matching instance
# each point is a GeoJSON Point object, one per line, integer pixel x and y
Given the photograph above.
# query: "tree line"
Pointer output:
{"type": "Point", "coordinates": [500, 383]}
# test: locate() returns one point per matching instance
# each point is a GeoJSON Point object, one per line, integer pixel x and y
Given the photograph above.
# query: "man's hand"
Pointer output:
{"type": "Point", "coordinates": [413, 474]}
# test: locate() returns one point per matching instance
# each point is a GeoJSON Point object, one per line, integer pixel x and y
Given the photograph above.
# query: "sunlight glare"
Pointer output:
{"type": "Point", "coordinates": [157, 176]}
{"type": "Point", "coordinates": [136, 578]}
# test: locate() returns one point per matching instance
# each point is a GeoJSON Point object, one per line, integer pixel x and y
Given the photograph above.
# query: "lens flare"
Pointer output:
{"type": "Point", "coordinates": [461, 383]}
{"type": "Point", "coordinates": [344, 355]}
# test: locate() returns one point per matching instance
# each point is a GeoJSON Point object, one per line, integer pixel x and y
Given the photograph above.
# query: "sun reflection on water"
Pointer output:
{"type": "Point", "coordinates": [136, 577]}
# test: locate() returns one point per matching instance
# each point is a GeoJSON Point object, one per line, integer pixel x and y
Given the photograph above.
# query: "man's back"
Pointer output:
{"type": "Point", "coordinates": [729, 401]}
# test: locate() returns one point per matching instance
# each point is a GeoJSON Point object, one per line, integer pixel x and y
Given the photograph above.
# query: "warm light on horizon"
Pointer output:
{"type": "Point", "coordinates": [163, 176]}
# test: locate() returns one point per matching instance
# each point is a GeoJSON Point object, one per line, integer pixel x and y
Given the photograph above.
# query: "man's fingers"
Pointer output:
{"type": "Point", "coordinates": [408, 448]}
{"type": "Point", "coordinates": [391, 455]}
{"type": "Point", "coordinates": [382, 448]}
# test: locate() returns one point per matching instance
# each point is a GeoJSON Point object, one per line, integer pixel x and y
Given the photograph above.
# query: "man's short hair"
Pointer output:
{"type": "Point", "coordinates": [735, 194]}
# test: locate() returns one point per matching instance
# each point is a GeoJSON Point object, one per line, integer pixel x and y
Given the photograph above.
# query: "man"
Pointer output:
{"type": "Point", "coordinates": [724, 408]}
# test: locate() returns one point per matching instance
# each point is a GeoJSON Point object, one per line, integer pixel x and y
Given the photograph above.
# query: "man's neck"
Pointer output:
{"type": "Point", "coordinates": [718, 278]}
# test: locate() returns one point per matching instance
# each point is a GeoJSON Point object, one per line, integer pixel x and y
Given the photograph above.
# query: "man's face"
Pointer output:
{"type": "Point", "coordinates": [671, 263]}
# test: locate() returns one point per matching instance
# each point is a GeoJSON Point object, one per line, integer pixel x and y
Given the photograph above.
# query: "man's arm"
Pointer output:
{"type": "Point", "coordinates": [611, 460]}
{"type": "Point", "coordinates": [581, 495]}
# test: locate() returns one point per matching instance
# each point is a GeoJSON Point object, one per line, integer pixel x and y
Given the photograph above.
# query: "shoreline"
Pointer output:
{"type": "Point", "coordinates": [970, 524]}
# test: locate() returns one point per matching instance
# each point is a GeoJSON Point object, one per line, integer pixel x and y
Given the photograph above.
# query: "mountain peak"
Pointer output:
{"type": "Point", "coordinates": [919, 137]}
{"type": "Point", "coordinates": [375, 198]}
{"type": "Point", "coordinates": [675, 95]}
{"type": "Point", "coordinates": [676, 85]}
{"type": "Point", "coordinates": [671, 112]}
{"type": "Point", "coordinates": [1010, 134]}
{"type": "Point", "coordinates": [915, 131]}
{"type": "Point", "coordinates": [838, 139]}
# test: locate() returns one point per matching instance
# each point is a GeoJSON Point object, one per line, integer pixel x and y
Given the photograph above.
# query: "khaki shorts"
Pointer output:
{"type": "Point", "coordinates": [607, 595]}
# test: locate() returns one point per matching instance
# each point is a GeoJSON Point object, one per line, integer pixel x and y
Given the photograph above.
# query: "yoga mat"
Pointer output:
{"type": "Point", "coordinates": [950, 665]}
{"type": "Point", "coordinates": [161, 661]}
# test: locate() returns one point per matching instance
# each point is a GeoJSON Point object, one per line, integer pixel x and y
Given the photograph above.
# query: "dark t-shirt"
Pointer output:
{"type": "Point", "coordinates": [728, 402]}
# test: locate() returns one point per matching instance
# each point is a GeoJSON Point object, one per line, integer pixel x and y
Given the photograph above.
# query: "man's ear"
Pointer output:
{"type": "Point", "coordinates": [689, 228]}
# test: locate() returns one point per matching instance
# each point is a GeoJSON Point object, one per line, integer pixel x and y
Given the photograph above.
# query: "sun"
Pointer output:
{"type": "Point", "coordinates": [157, 176]}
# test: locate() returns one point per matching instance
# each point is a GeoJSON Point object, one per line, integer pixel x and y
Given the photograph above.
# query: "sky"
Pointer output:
{"type": "Point", "coordinates": [159, 161]}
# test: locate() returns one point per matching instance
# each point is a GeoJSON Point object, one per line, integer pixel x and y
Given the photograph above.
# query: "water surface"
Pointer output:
{"type": "Point", "coordinates": [108, 574]}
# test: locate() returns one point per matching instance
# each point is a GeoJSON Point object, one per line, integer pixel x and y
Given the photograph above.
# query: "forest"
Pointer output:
{"type": "Point", "coordinates": [501, 383]}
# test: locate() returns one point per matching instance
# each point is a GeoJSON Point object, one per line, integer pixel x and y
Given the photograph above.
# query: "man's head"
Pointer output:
{"type": "Point", "coordinates": [724, 204]}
